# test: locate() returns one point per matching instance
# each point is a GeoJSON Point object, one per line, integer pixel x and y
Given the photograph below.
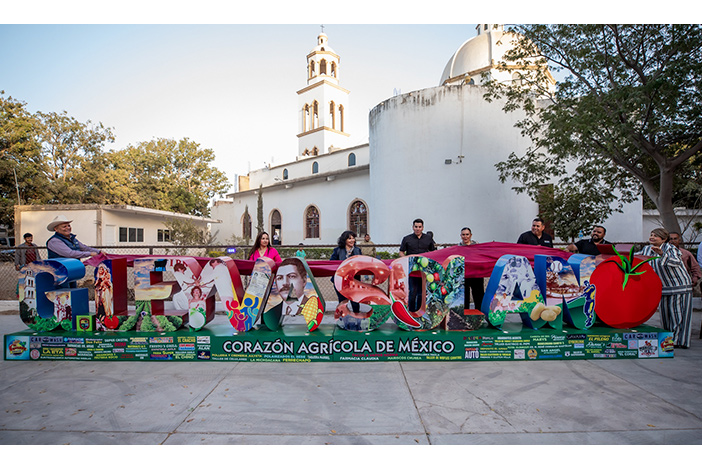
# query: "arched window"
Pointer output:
{"type": "Point", "coordinates": [312, 69]}
{"type": "Point", "coordinates": [358, 218]}
{"type": "Point", "coordinates": [323, 67]}
{"type": "Point", "coordinates": [341, 118]}
{"type": "Point", "coordinates": [315, 167]}
{"type": "Point", "coordinates": [332, 114]}
{"type": "Point", "coordinates": [285, 174]}
{"type": "Point", "coordinates": [333, 69]}
{"type": "Point", "coordinates": [352, 159]}
{"type": "Point", "coordinates": [305, 117]}
{"type": "Point", "coordinates": [276, 228]}
{"type": "Point", "coordinates": [312, 223]}
{"type": "Point", "coordinates": [315, 152]}
{"type": "Point", "coordinates": [315, 121]}
{"type": "Point", "coordinates": [246, 225]}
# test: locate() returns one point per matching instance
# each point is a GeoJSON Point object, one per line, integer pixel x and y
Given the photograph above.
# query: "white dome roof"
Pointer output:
{"type": "Point", "coordinates": [478, 54]}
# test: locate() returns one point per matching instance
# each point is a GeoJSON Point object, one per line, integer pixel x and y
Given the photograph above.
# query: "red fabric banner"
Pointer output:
{"type": "Point", "coordinates": [480, 258]}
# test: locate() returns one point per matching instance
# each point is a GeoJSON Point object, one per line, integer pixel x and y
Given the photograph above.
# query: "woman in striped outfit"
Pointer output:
{"type": "Point", "coordinates": [676, 302]}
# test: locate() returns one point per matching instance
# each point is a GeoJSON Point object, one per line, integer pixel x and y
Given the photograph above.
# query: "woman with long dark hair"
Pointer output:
{"type": "Point", "coordinates": [262, 248]}
{"type": "Point", "coordinates": [346, 247]}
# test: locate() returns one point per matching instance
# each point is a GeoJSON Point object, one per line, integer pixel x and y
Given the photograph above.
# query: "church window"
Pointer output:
{"type": "Point", "coordinates": [285, 174]}
{"type": "Point", "coordinates": [315, 167]}
{"type": "Point", "coordinates": [352, 159]}
{"type": "Point", "coordinates": [341, 118]}
{"type": "Point", "coordinates": [332, 114]}
{"type": "Point", "coordinates": [276, 227]}
{"type": "Point", "coordinates": [305, 117]}
{"type": "Point", "coordinates": [323, 67]}
{"type": "Point", "coordinates": [333, 69]}
{"type": "Point", "coordinates": [312, 223]}
{"type": "Point", "coordinates": [315, 122]}
{"type": "Point", "coordinates": [315, 151]}
{"type": "Point", "coordinates": [358, 218]}
{"type": "Point", "coordinates": [246, 225]}
{"type": "Point", "coordinates": [312, 69]}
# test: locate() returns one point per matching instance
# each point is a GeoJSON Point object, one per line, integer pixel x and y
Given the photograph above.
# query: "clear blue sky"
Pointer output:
{"type": "Point", "coordinates": [231, 88]}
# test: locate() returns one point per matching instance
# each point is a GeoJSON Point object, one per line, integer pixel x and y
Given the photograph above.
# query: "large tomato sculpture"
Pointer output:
{"type": "Point", "coordinates": [627, 291]}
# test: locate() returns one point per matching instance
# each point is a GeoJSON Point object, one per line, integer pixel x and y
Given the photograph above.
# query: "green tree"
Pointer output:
{"type": "Point", "coordinates": [569, 210]}
{"type": "Point", "coordinates": [169, 175]}
{"type": "Point", "coordinates": [20, 157]}
{"type": "Point", "coordinates": [186, 232]}
{"type": "Point", "coordinates": [627, 115]}
{"type": "Point", "coordinates": [69, 150]}
{"type": "Point", "coordinates": [259, 211]}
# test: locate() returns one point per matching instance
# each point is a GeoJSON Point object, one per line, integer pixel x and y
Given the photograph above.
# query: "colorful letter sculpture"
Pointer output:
{"type": "Point", "coordinates": [110, 294]}
{"type": "Point", "coordinates": [294, 294]}
{"type": "Point", "coordinates": [564, 293]}
{"type": "Point", "coordinates": [512, 288]}
{"type": "Point", "coordinates": [362, 293]}
{"type": "Point", "coordinates": [45, 301]}
{"type": "Point", "coordinates": [422, 290]}
{"type": "Point", "coordinates": [149, 293]}
{"type": "Point", "coordinates": [246, 316]}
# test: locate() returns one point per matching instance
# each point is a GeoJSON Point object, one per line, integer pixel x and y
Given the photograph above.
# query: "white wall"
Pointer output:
{"type": "Point", "coordinates": [332, 198]}
{"type": "Point", "coordinates": [412, 135]}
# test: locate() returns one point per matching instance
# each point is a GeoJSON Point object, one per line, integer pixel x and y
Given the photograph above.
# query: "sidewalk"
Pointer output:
{"type": "Point", "coordinates": [655, 401]}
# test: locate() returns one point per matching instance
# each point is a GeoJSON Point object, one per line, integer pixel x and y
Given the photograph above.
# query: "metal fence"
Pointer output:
{"type": "Point", "coordinates": [9, 275]}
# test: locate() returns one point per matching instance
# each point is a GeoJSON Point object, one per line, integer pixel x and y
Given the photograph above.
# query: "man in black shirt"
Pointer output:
{"type": "Point", "coordinates": [536, 236]}
{"type": "Point", "coordinates": [416, 243]}
{"type": "Point", "coordinates": [589, 246]}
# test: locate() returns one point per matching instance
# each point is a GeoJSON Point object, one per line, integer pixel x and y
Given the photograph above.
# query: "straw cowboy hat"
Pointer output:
{"type": "Point", "coordinates": [60, 219]}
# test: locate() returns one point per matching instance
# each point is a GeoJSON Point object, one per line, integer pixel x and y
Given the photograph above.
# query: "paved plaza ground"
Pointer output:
{"type": "Point", "coordinates": [654, 401]}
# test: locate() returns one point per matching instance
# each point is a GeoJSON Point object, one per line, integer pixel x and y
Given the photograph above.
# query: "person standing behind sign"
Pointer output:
{"type": "Point", "coordinates": [262, 248]}
{"type": "Point", "coordinates": [27, 255]}
{"type": "Point", "coordinates": [536, 236]}
{"type": "Point", "coordinates": [63, 244]}
{"type": "Point", "coordinates": [676, 302]}
{"type": "Point", "coordinates": [346, 247]}
{"type": "Point", "coordinates": [412, 244]}
{"type": "Point", "coordinates": [476, 286]}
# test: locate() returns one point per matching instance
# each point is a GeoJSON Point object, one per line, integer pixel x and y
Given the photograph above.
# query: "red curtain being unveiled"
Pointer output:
{"type": "Point", "coordinates": [480, 258]}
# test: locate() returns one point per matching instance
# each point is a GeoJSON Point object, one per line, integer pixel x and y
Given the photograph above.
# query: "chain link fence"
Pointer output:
{"type": "Point", "coordinates": [9, 275]}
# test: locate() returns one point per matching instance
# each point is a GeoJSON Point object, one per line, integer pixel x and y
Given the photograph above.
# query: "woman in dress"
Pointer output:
{"type": "Point", "coordinates": [262, 248]}
{"type": "Point", "coordinates": [346, 247]}
{"type": "Point", "coordinates": [676, 301]}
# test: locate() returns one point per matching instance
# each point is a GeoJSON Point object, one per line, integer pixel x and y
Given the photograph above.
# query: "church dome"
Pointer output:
{"type": "Point", "coordinates": [477, 55]}
{"type": "Point", "coordinates": [322, 44]}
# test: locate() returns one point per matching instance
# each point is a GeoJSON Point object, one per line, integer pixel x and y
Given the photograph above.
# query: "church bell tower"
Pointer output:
{"type": "Point", "coordinates": [322, 103]}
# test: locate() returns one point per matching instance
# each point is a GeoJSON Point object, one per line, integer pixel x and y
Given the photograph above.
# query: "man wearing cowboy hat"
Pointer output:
{"type": "Point", "coordinates": [63, 244]}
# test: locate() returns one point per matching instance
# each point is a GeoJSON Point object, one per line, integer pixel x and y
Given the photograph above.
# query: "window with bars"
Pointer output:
{"type": "Point", "coordinates": [312, 223]}
{"type": "Point", "coordinates": [358, 218]}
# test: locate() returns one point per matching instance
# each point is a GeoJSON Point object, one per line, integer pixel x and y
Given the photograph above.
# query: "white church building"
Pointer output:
{"type": "Point", "coordinates": [431, 155]}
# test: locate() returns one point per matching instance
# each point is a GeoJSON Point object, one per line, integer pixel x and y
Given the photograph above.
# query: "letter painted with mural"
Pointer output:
{"type": "Point", "coordinates": [374, 303]}
{"type": "Point", "coordinates": [45, 299]}
{"type": "Point", "coordinates": [422, 290]}
{"type": "Point", "coordinates": [294, 297]}
{"type": "Point", "coordinates": [512, 289]}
